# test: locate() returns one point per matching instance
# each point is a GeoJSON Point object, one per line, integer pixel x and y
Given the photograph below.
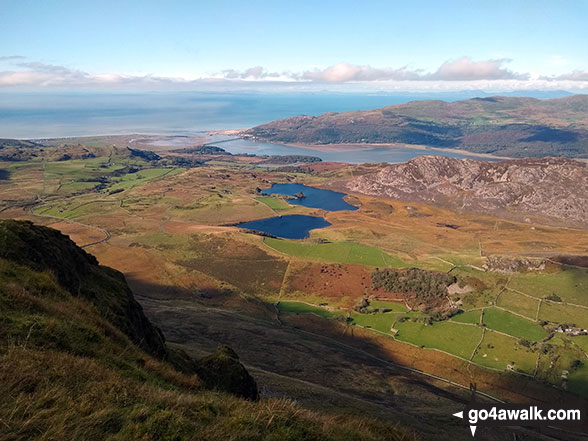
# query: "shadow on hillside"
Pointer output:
{"type": "Point", "coordinates": [319, 361]}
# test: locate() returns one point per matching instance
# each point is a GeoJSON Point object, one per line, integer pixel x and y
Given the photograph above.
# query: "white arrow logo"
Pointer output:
{"type": "Point", "coordinates": [460, 415]}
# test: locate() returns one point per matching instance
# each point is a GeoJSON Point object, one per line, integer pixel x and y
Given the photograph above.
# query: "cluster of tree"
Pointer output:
{"type": "Point", "coordinates": [425, 285]}
{"type": "Point", "coordinates": [554, 297]}
{"type": "Point", "coordinates": [290, 159]}
{"type": "Point", "coordinates": [180, 161]}
{"type": "Point", "coordinates": [144, 154]}
{"type": "Point", "coordinates": [294, 169]}
{"type": "Point", "coordinates": [203, 150]}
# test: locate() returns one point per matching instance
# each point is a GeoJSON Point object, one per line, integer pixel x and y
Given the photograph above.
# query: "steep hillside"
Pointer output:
{"type": "Point", "coordinates": [69, 368]}
{"type": "Point", "coordinates": [555, 189]}
{"type": "Point", "coordinates": [45, 249]}
{"type": "Point", "coordinates": [506, 126]}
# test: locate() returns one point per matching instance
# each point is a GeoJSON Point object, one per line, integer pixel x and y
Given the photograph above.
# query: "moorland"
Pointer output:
{"type": "Point", "coordinates": [391, 311]}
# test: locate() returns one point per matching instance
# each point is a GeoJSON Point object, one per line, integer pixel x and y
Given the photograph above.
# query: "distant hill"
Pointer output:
{"type": "Point", "coordinates": [553, 189]}
{"type": "Point", "coordinates": [504, 126]}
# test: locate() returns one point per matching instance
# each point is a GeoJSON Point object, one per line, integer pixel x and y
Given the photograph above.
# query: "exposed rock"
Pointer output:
{"type": "Point", "coordinates": [509, 265]}
{"type": "Point", "coordinates": [223, 371]}
{"type": "Point", "coordinates": [549, 187]}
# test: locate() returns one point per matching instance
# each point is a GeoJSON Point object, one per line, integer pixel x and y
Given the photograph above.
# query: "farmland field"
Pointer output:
{"type": "Point", "coordinates": [571, 284]}
{"type": "Point", "coordinates": [341, 252]}
{"type": "Point", "coordinates": [468, 316]}
{"type": "Point", "coordinates": [562, 313]}
{"type": "Point", "coordinates": [511, 324]}
{"type": "Point", "coordinates": [379, 321]}
{"type": "Point", "coordinates": [288, 307]}
{"type": "Point", "coordinates": [518, 303]}
{"type": "Point", "coordinates": [454, 338]}
{"type": "Point", "coordinates": [392, 306]}
{"type": "Point", "coordinates": [498, 350]}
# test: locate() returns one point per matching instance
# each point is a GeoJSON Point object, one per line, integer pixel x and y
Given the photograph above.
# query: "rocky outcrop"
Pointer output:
{"type": "Point", "coordinates": [223, 371]}
{"type": "Point", "coordinates": [554, 189]}
{"type": "Point", "coordinates": [510, 264]}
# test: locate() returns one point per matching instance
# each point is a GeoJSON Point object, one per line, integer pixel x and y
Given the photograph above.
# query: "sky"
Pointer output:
{"type": "Point", "coordinates": [294, 45]}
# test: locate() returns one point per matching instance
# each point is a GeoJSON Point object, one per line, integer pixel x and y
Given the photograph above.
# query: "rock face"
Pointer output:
{"type": "Point", "coordinates": [554, 189]}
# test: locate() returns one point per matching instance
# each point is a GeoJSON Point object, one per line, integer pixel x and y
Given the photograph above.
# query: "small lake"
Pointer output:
{"type": "Point", "coordinates": [314, 197]}
{"type": "Point", "coordinates": [294, 226]}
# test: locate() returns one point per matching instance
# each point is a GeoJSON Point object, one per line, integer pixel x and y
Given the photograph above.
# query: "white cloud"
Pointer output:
{"type": "Point", "coordinates": [344, 72]}
{"type": "Point", "coordinates": [466, 69]}
{"type": "Point", "coordinates": [460, 74]}
{"type": "Point", "coordinates": [576, 75]}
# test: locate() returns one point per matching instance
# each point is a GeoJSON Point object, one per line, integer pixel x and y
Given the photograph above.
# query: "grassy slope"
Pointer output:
{"type": "Point", "coordinates": [304, 308]}
{"type": "Point", "coordinates": [498, 350]}
{"type": "Point", "coordinates": [467, 317]}
{"type": "Point", "coordinates": [571, 285]}
{"type": "Point", "coordinates": [67, 373]}
{"type": "Point", "coordinates": [513, 325]}
{"type": "Point", "coordinates": [455, 338]}
{"type": "Point", "coordinates": [274, 203]}
{"type": "Point", "coordinates": [339, 252]}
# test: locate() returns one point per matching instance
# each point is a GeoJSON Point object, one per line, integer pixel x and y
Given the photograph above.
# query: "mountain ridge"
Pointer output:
{"type": "Point", "coordinates": [521, 188]}
{"type": "Point", "coordinates": [502, 126]}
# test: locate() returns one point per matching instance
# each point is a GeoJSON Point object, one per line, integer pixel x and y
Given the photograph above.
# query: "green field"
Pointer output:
{"type": "Point", "coordinates": [518, 303]}
{"type": "Point", "coordinates": [468, 316]}
{"type": "Point", "coordinates": [339, 252]}
{"type": "Point", "coordinates": [571, 284]}
{"type": "Point", "coordinates": [563, 355]}
{"type": "Point", "coordinates": [378, 321]}
{"type": "Point", "coordinates": [581, 341]}
{"type": "Point", "coordinates": [498, 350]}
{"type": "Point", "coordinates": [392, 306]}
{"type": "Point", "coordinates": [75, 210]}
{"type": "Point", "coordinates": [511, 324]}
{"type": "Point", "coordinates": [454, 338]}
{"type": "Point", "coordinates": [562, 313]}
{"type": "Point", "coordinates": [276, 204]}
{"type": "Point", "coordinates": [131, 180]}
{"type": "Point", "coordinates": [304, 308]}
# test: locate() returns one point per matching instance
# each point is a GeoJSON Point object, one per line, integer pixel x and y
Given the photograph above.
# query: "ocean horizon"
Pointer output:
{"type": "Point", "coordinates": [52, 115]}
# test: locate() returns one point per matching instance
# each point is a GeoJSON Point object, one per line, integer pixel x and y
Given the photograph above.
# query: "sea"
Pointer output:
{"type": "Point", "coordinates": [45, 115]}
{"type": "Point", "coordinates": [36, 115]}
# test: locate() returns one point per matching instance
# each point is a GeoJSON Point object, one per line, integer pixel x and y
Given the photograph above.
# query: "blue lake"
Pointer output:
{"type": "Point", "coordinates": [294, 226]}
{"type": "Point", "coordinates": [314, 197]}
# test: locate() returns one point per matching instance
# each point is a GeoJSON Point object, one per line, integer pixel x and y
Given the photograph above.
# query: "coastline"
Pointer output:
{"type": "Point", "coordinates": [158, 144]}
{"type": "Point", "coordinates": [358, 147]}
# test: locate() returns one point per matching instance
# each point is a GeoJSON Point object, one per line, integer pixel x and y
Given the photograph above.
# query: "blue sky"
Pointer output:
{"type": "Point", "coordinates": [396, 45]}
